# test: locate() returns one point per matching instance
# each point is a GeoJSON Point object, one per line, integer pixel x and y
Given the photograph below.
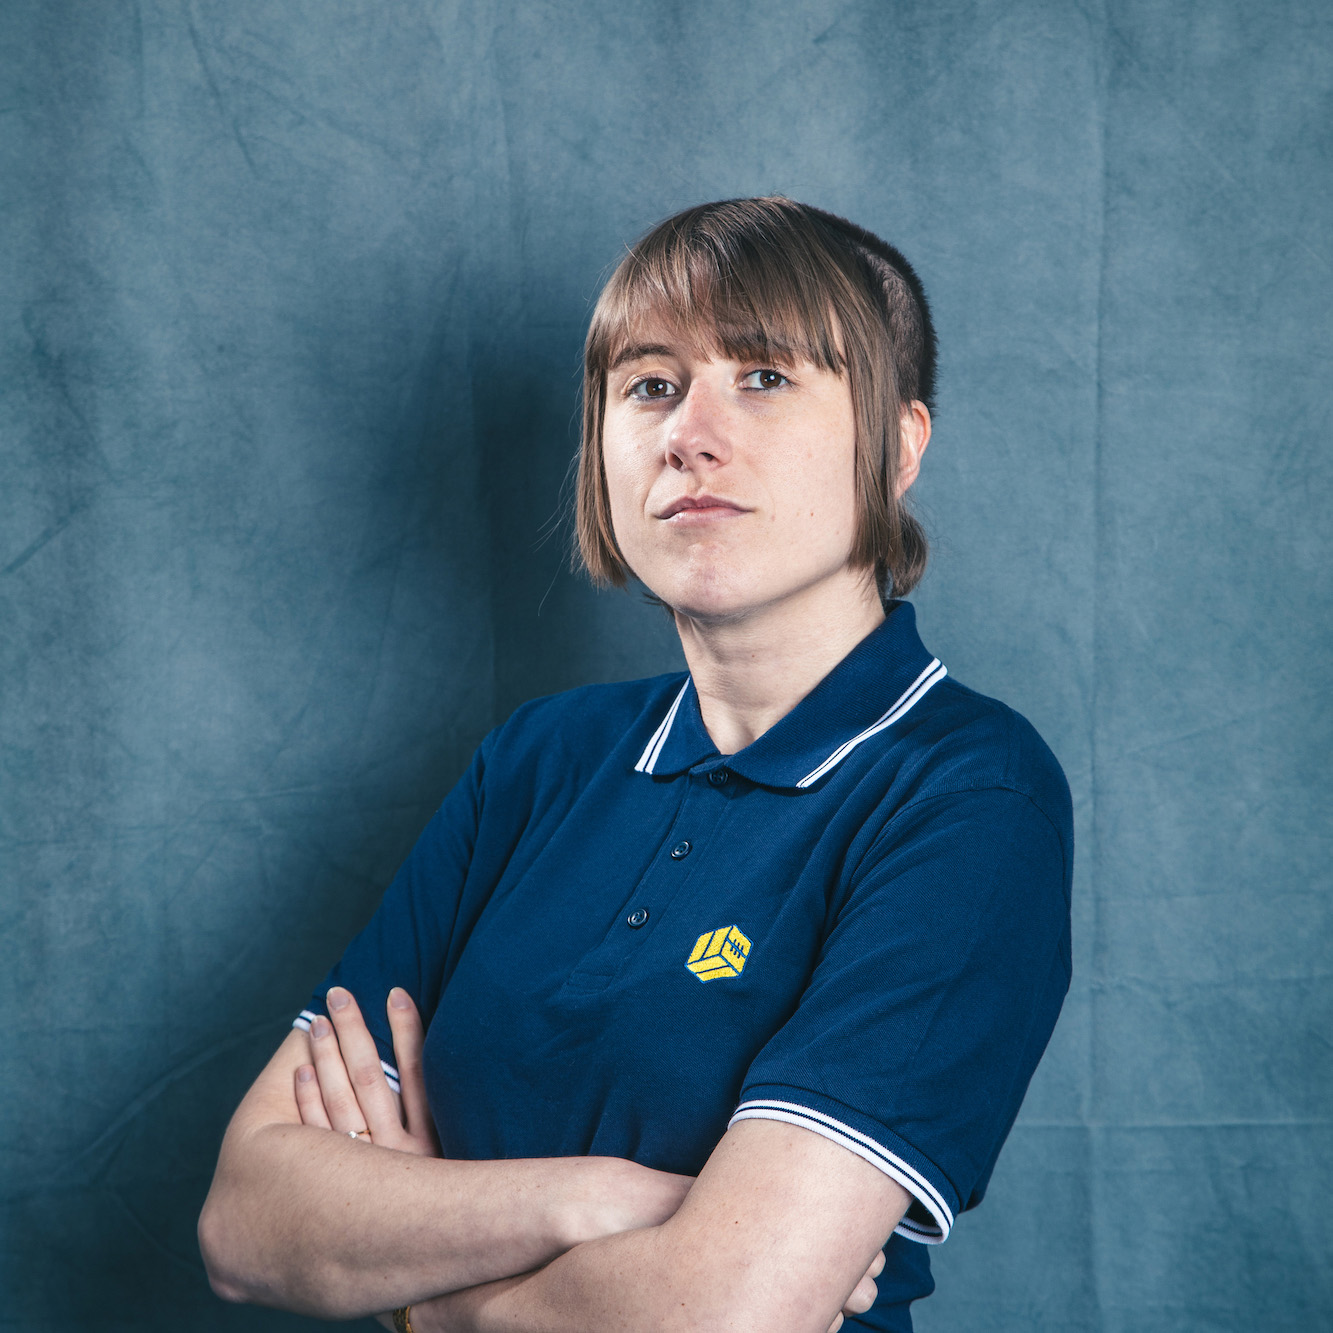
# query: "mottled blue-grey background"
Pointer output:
{"type": "Point", "coordinates": [291, 299]}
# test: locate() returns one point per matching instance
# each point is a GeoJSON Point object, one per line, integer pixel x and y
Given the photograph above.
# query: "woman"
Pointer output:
{"type": "Point", "coordinates": [796, 923]}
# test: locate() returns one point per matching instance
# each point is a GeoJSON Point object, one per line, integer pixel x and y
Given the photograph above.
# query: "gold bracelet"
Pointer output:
{"type": "Point", "coordinates": [402, 1319]}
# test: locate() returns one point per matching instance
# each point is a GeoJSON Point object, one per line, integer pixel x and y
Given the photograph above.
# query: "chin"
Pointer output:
{"type": "Point", "coordinates": [709, 599]}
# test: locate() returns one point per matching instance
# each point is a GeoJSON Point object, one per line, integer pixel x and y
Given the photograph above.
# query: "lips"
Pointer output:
{"type": "Point", "coordinates": [702, 505]}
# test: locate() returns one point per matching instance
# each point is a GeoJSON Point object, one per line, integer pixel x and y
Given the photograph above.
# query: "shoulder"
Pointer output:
{"type": "Point", "coordinates": [979, 812]}
{"type": "Point", "coordinates": [962, 741]}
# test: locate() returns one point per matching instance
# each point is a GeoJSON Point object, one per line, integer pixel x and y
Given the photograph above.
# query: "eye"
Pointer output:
{"type": "Point", "coordinates": [651, 387]}
{"type": "Point", "coordinates": [764, 379]}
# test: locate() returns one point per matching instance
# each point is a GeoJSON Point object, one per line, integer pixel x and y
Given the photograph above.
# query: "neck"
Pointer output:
{"type": "Point", "coordinates": [751, 671]}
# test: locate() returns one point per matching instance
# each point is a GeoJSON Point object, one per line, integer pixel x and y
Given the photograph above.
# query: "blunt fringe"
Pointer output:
{"type": "Point", "coordinates": [770, 277]}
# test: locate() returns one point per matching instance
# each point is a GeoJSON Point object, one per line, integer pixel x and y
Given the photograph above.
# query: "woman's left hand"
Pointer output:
{"type": "Point", "coordinates": [346, 1090]}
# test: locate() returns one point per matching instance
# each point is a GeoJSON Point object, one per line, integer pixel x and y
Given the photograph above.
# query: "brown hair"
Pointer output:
{"type": "Point", "coordinates": [757, 278]}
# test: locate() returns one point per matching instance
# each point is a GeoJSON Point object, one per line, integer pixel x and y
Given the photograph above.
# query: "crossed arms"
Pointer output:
{"type": "Point", "coordinates": [780, 1231]}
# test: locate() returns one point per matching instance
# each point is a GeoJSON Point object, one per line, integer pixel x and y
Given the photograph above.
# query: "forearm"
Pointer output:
{"type": "Point", "coordinates": [778, 1234]}
{"type": "Point", "coordinates": [312, 1221]}
{"type": "Point", "coordinates": [620, 1284]}
{"type": "Point", "coordinates": [641, 1282]}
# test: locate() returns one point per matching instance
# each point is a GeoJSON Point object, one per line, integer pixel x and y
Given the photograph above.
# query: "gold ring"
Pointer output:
{"type": "Point", "coordinates": [358, 1133]}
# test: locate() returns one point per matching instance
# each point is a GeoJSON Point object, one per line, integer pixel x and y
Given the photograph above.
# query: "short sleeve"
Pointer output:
{"type": "Point", "coordinates": [407, 941]}
{"type": "Point", "coordinates": [937, 989]}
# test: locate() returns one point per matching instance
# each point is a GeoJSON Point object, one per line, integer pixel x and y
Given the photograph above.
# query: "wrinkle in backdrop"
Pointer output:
{"type": "Point", "coordinates": [295, 295]}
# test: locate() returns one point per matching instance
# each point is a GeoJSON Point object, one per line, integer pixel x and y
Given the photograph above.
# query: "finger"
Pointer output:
{"type": "Point", "coordinates": [361, 1059]}
{"type": "Point", "coordinates": [836, 1324]}
{"type": "Point", "coordinates": [408, 1040]}
{"type": "Point", "coordinates": [309, 1099]}
{"type": "Point", "coordinates": [335, 1087]}
{"type": "Point", "coordinates": [862, 1297]}
{"type": "Point", "coordinates": [876, 1266]}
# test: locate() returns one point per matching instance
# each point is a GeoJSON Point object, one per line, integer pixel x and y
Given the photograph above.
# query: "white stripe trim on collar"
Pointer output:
{"type": "Point", "coordinates": [648, 759]}
{"type": "Point", "coordinates": [914, 693]}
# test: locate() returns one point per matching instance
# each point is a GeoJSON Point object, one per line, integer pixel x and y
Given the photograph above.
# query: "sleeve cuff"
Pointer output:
{"type": "Point", "coordinates": [930, 1218]}
{"type": "Point", "coordinates": [308, 1016]}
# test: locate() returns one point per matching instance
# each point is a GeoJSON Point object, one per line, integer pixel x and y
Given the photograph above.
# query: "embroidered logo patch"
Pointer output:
{"type": "Point", "coordinates": [719, 953]}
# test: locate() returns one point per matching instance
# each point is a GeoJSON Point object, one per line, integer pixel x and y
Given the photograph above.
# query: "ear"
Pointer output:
{"type": "Point", "coordinates": [913, 436]}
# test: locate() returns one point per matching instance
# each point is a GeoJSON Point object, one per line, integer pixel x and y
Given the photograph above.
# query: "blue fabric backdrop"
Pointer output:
{"type": "Point", "coordinates": [293, 295]}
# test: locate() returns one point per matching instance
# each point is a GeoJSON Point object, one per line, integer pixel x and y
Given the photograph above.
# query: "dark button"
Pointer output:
{"type": "Point", "coordinates": [636, 918]}
{"type": "Point", "coordinates": [718, 777]}
{"type": "Point", "coordinates": [680, 851]}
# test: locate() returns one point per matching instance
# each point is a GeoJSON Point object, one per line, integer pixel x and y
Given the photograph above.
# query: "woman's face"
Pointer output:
{"type": "Point", "coordinates": [732, 483]}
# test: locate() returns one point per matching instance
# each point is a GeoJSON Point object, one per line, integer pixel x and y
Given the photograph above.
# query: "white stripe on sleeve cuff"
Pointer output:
{"type": "Point", "coordinates": [876, 1154]}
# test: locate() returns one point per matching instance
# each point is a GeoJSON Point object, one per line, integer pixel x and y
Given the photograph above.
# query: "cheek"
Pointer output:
{"type": "Point", "coordinates": [627, 485]}
{"type": "Point", "coordinates": [841, 490]}
{"type": "Point", "coordinates": [819, 497]}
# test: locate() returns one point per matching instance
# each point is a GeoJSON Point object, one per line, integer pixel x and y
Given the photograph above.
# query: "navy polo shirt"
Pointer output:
{"type": "Point", "coordinates": [623, 941]}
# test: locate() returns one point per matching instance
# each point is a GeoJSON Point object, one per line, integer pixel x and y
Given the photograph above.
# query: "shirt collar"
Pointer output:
{"type": "Point", "coordinates": [864, 695]}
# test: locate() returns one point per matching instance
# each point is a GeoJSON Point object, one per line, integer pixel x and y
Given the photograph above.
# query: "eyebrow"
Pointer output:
{"type": "Point", "coordinates": [640, 351]}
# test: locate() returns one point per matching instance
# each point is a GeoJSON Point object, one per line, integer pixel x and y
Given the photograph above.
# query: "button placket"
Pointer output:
{"type": "Point", "coordinates": [700, 810]}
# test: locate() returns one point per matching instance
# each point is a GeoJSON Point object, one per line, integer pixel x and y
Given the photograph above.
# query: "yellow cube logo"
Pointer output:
{"type": "Point", "coordinates": [719, 953]}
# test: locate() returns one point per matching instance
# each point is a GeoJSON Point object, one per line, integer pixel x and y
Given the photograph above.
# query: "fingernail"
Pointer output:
{"type": "Point", "coordinates": [305, 1074]}
{"type": "Point", "coordinates": [398, 998]}
{"type": "Point", "coordinates": [320, 1027]}
{"type": "Point", "coordinates": [337, 998]}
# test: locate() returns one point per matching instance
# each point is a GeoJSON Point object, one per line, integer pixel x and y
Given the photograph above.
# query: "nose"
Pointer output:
{"type": "Point", "coordinates": [697, 436]}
